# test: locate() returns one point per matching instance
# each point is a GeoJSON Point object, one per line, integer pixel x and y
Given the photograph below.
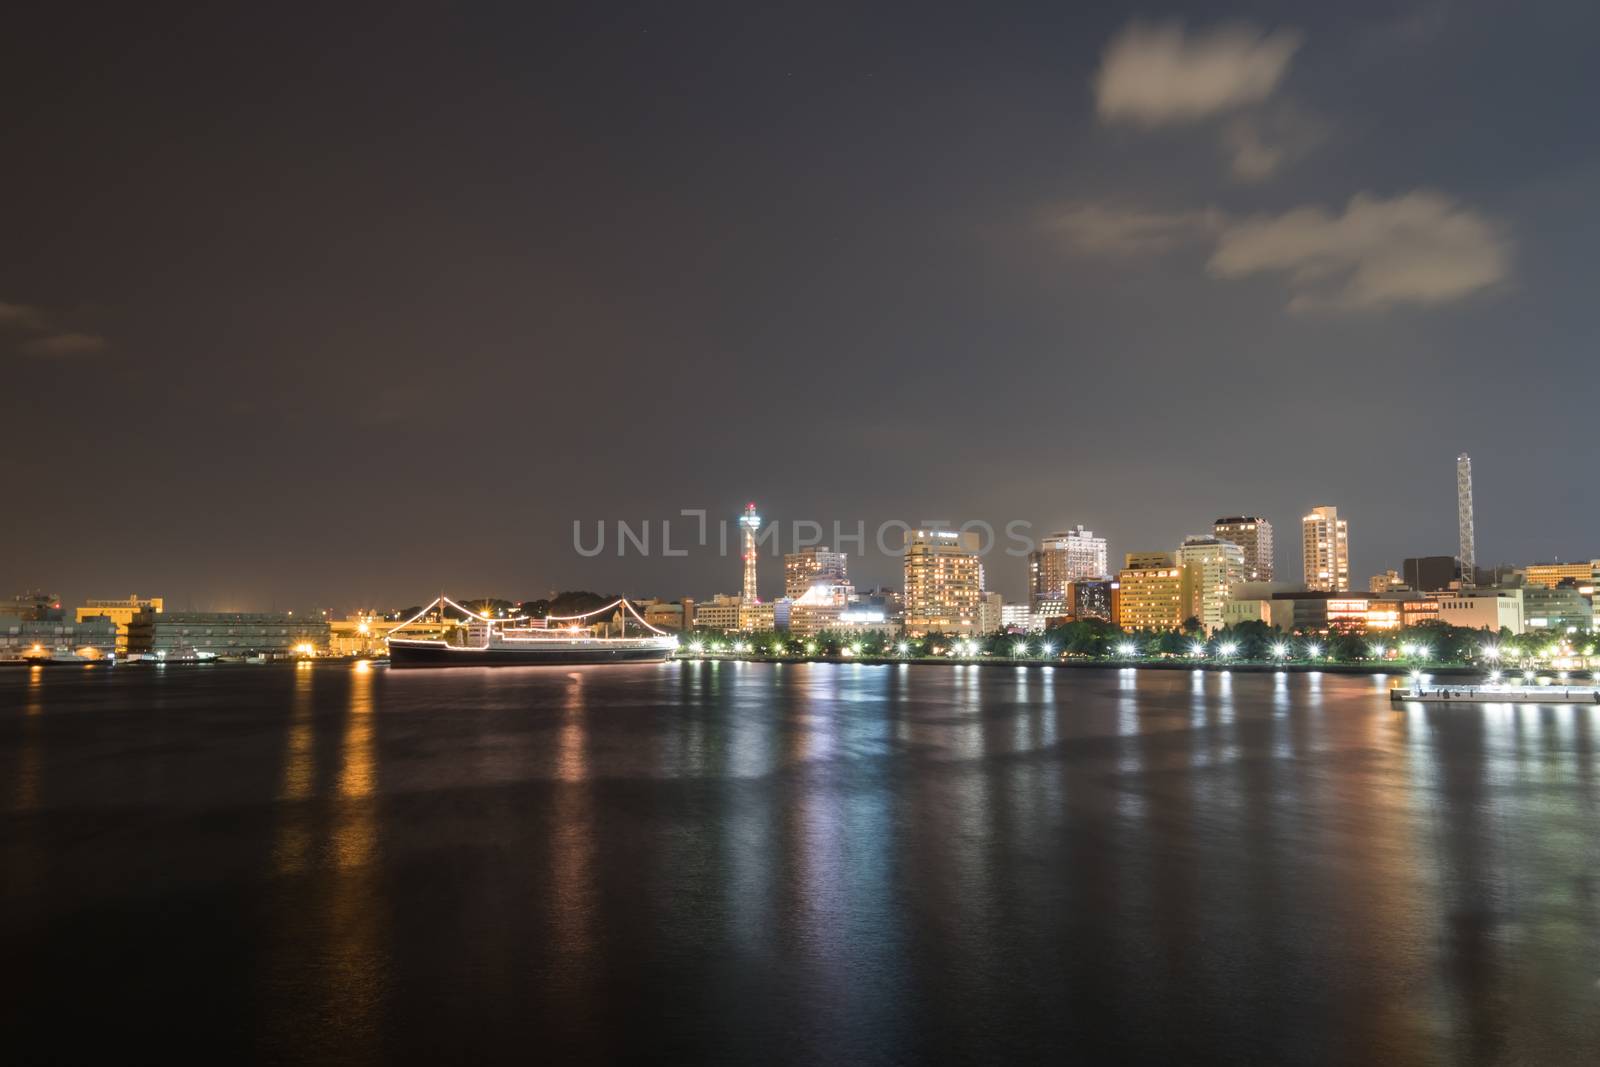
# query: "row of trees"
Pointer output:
{"type": "Point", "coordinates": [1254, 641]}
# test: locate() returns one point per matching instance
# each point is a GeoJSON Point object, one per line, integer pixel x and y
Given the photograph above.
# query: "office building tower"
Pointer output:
{"type": "Point", "coordinates": [943, 581]}
{"type": "Point", "coordinates": [808, 567]}
{"type": "Point", "coordinates": [1326, 550]}
{"type": "Point", "coordinates": [1253, 535]}
{"type": "Point", "coordinates": [1212, 567]}
{"type": "Point", "coordinates": [1064, 558]}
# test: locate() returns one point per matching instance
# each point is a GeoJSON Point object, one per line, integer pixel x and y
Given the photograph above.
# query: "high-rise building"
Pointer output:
{"type": "Point", "coordinates": [1253, 535]}
{"type": "Point", "coordinates": [1064, 558]}
{"type": "Point", "coordinates": [1145, 560]}
{"type": "Point", "coordinates": [1326, 548]}
{"type": "Point", "coordinates": [1212, 567]}
{"type": "Point", "coordinates": [1469, 540]}
{"type": "Point", "coordinates": [1152, 598]}
{"type": "Point", "coordinates": [943, 580]}
{"type": "Point", "coordinates": [808, 566]}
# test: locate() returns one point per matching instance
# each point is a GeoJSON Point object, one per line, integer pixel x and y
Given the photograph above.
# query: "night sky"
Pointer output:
{"type": "Point", "coordinates": [326, 307]}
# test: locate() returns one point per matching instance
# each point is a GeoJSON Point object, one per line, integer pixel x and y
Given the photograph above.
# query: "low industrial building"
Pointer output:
{"type": "Point", "coordinates": [94, 638]}
{"type": "Point", "coordinates": [225, 633]}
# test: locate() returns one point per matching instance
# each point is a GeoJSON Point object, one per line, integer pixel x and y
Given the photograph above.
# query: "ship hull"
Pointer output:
{"type": "Point", "coordinates": [434, 654]}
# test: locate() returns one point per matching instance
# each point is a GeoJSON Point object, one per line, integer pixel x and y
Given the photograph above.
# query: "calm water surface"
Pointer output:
{"type": "Point", "coordinates": [791, 863]}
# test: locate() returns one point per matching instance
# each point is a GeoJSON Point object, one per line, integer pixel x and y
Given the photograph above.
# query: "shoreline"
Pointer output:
{"type": "Point", "coordinates": [1244, 667]}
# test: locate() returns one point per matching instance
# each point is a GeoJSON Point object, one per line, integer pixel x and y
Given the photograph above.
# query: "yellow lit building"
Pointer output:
{"type": "Point", "coordinates": [1389, 581]}
{"type": "Point", "coordinates": [1551, 575]}
{"type": "Point", "coordinates": [721, 612]}
{"type": "Point", "coordinates": [1153, 598]}
{"type": "Point", "coordinates": [944, 580]}
{"type": "Point", "coordinates": [362, 635]}
{"type": "Point", "coordinates": [120, 612]}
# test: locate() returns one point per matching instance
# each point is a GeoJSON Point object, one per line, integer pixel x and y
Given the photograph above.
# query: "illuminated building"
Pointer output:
{"type": "Point", "coordinates": [362, 634]}
{"type": "Point", "coordinates": [943, 581]}
{"type": "Point", "coordinates": [1064, 558]}
{"type": "Point", "coordinates": [224, 633]}
{"type": "Point", "coordinates": [991, 612]}
{"type": "Point", "coordinates": [807, 567]}
{"type": "Point", "coordinates": [1091, 598]}
{"type": "Point", "coordinates": [1551, 575]}
{"type": "Point", "coordinates": [1253, 535]}
{"type": "Point", "coordinates": [664, 615]}
{"type": "Point", "coordinates": [1048, 613]}
{"type": "Point", "coordinates": [820, 607]}
{"type": "Point", "coordinates": [1493, 609]}
{"type": "Point", "coordinates": [759, 616]}
{"type": "Point", "coordinates": [120, 612]}
{"type": "Point", "coordinates": [1325, 541]}
{"type": "Point", "coordinates": [1561, 608]}
{"type": "Point", "coordinates": [721, 612]}
{"type": "Point", "coordinates": [1147, 560]}
{"type": "Point", "coordinates": [1348, 611]}
{"type": "Point", "coordinates": [1391, 612]}
{"type": "Point", "coordinates": [92, 638]}
{"type": "Point", "coordinates": [1018, 617]}
{"type": "Point", "coordinates": [1236, 611]}
{"type": "Point", "coordinates": [1315, 611]}
{"type": "Point", "coordinates": [1152, 598]}
{"type": "Point", "coordinates": [1387, 582]}
{"type": "Point", "coordinates": [1212, 568]}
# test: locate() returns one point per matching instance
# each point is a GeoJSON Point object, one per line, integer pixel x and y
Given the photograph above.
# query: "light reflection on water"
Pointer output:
{"type": "Point", "coordinates": [895, 862]}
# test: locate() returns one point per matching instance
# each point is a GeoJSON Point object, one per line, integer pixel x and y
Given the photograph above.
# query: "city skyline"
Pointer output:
{"type": "Point", "coordinates": [1010, 575]}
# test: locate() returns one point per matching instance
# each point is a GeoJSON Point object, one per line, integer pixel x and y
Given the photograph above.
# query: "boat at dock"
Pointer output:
{"type": "Point", "coordinates": [1497, 694]}
{"type": "Point", "coordinates": [482, 641]}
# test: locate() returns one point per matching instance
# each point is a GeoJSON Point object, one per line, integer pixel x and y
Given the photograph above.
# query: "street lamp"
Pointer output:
{"type": "Point", "coordinates": [1280, 650]}
{"type": "Point", "coordinates": [1228, 649]}
{"type": "Point", "coordinates": [1127, 650]}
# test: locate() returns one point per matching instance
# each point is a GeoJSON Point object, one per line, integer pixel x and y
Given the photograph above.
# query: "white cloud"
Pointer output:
{"type": "Point", "coordinates": [1107, 229]}
{"type": "Point", "coordinates": [1156, 73]}
{"type": "Point", "coordinates": [64, 344]}
{"type": "Point", "coordinates": [1420, 248]}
